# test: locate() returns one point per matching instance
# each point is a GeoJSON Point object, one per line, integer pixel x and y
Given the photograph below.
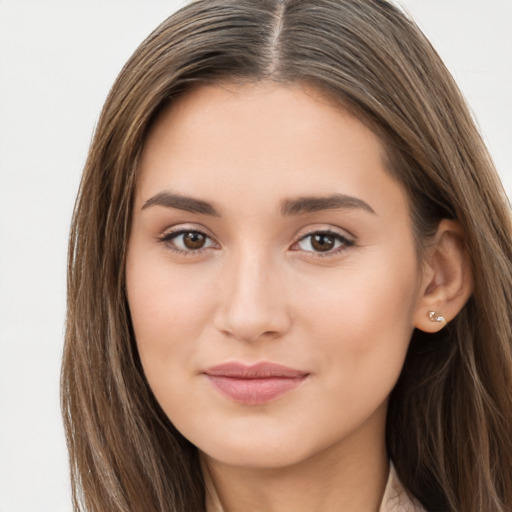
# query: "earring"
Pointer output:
{"type": "Point", "coordinates": [435, 317]}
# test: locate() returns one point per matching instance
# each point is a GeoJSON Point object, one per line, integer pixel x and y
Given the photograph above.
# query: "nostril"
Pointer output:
{"type": "Point", "coordinates": [270, 334]}
{"type": "Point", "coordinates": [248, 336]}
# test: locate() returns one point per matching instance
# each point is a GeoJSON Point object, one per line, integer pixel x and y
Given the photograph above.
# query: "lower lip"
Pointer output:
{"type": "Point", "coordinates": [255, 391]}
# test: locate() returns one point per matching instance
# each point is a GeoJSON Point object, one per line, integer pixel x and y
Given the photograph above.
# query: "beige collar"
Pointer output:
{"type": "Point", "coordinates": [395, 498]}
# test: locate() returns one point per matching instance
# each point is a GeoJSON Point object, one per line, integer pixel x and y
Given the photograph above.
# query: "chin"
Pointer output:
{"type": "Point", "coordinates": [257, 455]}
{"type": "Point", "coordinates": [269, 449]}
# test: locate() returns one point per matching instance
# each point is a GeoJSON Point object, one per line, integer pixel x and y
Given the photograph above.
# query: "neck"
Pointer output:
{"type": "Point", "coordinates": [351, 475]}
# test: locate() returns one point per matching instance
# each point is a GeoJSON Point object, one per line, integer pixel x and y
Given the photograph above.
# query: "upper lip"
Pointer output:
{"type": "Point", "coordinates": [237, 370]}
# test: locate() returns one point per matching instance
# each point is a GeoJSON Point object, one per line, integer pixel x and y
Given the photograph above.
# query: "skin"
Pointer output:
{"type": "Point", "coordinates": [259, 290]}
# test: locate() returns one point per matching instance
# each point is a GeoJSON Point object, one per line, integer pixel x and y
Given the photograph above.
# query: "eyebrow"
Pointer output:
{"type": "Point", "coordinates": [313, 204]}
{"type": "Point", "coordinates": [188, 204]}
{"type": "Point", "coordinates": [299, 206]}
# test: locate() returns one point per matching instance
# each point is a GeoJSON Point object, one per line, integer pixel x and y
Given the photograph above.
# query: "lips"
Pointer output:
{"type": "Point", "coordinates": [254, 384]}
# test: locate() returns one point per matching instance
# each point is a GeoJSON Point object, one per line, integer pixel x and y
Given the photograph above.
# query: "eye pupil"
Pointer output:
{"type": "Point", "coordinates": [322, 242]}
{"type": "Point", "coordinates": [194, 240]}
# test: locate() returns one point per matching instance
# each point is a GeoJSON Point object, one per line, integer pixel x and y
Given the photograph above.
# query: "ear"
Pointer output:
{"type": "Point", "coordinates": [447, 280]}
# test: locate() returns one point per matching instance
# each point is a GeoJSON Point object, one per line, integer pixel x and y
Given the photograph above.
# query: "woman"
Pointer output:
{"type": "Point", "coordinates": [290, 274]}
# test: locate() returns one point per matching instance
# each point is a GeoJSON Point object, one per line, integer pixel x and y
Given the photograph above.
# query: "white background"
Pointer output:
{"type": "Point", "coordinates": [58, 59]}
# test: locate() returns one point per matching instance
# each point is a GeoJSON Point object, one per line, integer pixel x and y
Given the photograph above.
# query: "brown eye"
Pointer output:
{"type": "Point", "coordinates": [194, 240]}
{"type": "Point", "coordinates": [322, 242]}
{"type": "Point", "coordinates": [187, 241]}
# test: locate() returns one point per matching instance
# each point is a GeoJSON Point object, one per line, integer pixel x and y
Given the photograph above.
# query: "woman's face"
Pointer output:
{"type": "Point", "coordinates": [272, 275]}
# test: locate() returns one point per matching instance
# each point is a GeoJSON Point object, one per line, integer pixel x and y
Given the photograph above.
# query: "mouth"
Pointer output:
{"type": "Point", "coordinates": [254, 384]}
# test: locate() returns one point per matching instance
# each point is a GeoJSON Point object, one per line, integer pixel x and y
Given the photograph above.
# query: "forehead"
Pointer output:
{"type": "Point", "coordinates": [286, 112]}
{"type": "Point", "coordinates": [220, 140]}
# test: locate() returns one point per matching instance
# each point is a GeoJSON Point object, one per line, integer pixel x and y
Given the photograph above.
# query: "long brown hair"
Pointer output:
{"type": "Point", "coordinates": [449, 427]}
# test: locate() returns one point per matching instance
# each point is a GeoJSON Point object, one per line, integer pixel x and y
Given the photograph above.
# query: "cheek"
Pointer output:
{"type": "Point", "coordinates": [168, 310]}
{"type": "Point", "coordinates": [368, 300]}
{"type": "Point", "coordinates": [362, 320]}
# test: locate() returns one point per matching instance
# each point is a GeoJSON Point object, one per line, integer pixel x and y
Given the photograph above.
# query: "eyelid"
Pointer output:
{"type": "Point", "coordinates": [325, 228]}
{"type": "Point", "coordinates": [170, 233]}
{"type": "Point", "coordinates": [185, 227]}
{"type": "Point", "coordinates": [347, 240]}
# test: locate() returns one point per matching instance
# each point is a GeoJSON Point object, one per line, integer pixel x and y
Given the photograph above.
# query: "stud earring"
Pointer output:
{"type": "Point", "coordinates": [435, 317]}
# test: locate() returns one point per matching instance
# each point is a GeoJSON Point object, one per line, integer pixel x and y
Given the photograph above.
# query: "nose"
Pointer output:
{"type": "Point", "coordinates": [253, 302]}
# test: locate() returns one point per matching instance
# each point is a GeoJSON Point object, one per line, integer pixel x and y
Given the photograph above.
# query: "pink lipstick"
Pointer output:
{"type": "Point", "coordinates": [254, 384]}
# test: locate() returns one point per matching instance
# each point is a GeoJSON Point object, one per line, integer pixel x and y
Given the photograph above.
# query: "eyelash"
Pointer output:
{"type": "Point", "coordinates": [345, 243]}
{"type": "Point", "coordinates": [168, 241]}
